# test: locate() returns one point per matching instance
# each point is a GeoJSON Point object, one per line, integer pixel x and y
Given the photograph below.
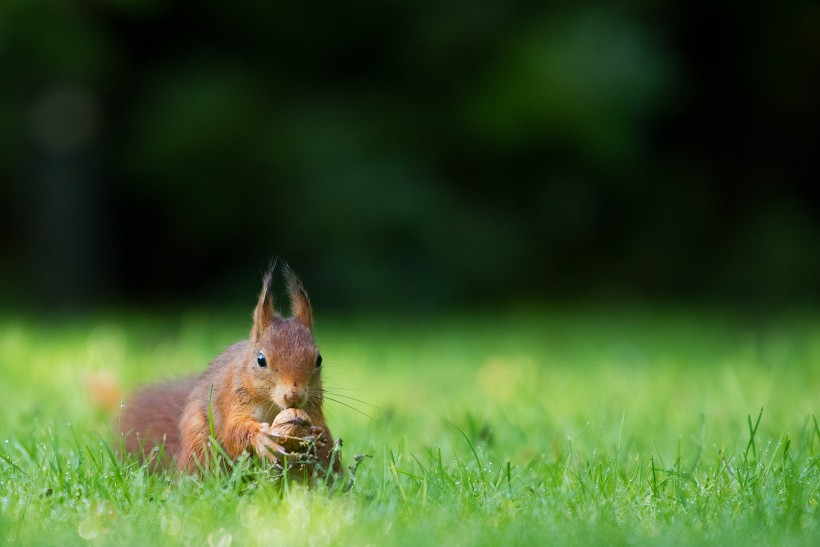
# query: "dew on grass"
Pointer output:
{"type": "Point", "coordinates": [89, 528]}
{"type": "Point", "coordinates": [220, 538]}
{"type": "Point", "coordinates": [192, 527]}
{"type": "Point", "coordinates": [170, 524]}
{"type": "Point", "coordinates": [299, 516]}
{"type": "Point", "coordinates": [320, 538]}
{"type": "Point", "coordinates": [248, 515]}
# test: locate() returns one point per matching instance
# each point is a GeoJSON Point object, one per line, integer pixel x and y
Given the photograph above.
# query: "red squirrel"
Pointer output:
{"type": "Point", "coordinates": [240, 394]}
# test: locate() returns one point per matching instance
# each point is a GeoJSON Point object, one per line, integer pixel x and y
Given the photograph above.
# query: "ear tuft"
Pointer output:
{"type": "Point", "coordinates": [263, 315]}
{"type": "Point", "coordinates": [299, 301]}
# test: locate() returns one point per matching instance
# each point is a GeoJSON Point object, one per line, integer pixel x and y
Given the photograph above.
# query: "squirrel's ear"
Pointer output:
{"type": "Point", "coordinates": [299, 301]}
{"type": "Point", "coordinates": [263, 314]}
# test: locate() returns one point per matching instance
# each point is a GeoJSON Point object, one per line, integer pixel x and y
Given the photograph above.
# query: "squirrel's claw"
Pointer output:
{"type": "Point", "coordinates": [317, 436]}
{"type": "Point", "coordinates": [284, 450]}
{"type": "Point", "coordinates": [267, 446]}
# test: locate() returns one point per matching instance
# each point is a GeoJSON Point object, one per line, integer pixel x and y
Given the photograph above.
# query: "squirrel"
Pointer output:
{"type": "Point", "coordinates": [240, 394]}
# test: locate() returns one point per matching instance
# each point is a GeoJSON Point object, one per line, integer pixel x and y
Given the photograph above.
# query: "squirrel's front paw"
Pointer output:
{"type": "Point", "coordinates": [267, 445]}
{"type": "Point", "coordinates": [317, 436]}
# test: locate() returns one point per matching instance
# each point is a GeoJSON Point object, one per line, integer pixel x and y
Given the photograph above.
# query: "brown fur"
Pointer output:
{"type": "Point", "coordinates": [242, 396]}
{"type": "Point", "coordinates": [151, 418]}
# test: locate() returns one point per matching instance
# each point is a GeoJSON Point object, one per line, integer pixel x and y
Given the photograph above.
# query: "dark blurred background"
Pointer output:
{"type": "Point", "coordinates": [406, 155]}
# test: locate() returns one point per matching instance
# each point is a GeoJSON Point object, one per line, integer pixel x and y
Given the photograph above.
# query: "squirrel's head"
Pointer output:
{"type": "Point", "coordinates": [283, 358]}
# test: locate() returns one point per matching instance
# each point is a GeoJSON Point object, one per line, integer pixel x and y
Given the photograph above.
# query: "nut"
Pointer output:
{"type": "Point", "coordinates": [292, 425]}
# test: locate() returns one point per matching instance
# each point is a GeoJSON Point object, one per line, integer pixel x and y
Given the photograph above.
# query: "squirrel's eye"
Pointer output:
{"type": "Point", "coordinates": [319, 361]}
{"type": "Point", "coordinates": [260, 360]}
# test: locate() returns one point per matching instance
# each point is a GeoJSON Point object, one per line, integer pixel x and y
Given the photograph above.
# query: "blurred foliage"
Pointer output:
{"type": "Point", "coordinates": [409, 154]}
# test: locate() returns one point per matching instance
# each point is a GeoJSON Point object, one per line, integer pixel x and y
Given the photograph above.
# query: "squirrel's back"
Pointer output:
{"type": "Point", "coordinates": [151, 418]}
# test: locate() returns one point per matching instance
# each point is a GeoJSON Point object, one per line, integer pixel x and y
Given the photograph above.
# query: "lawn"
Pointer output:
{"type": "Point", "coordinates": [589, 425]}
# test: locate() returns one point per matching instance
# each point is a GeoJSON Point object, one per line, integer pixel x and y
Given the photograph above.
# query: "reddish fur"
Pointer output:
{"type": "Point", "coordinates": [151, 417]}
{"type": "Point", "coordinates": [239, 394]}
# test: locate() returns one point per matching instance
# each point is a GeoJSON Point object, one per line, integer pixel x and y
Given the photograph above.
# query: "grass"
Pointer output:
{"type": "Point", "coordinates": [616, 425]}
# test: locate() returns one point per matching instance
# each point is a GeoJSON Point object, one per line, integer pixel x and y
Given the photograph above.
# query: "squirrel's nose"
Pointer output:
{"type": "Point", "coordinates": [294, 397]}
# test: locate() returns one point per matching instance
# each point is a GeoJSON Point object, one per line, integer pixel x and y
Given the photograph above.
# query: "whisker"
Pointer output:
{"type": "Point", "coordinates": [355, 399]}
{"type": "Point", "coordinates": [352, 408]}
{"type": "Point", "coordinates": [271, 405]}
